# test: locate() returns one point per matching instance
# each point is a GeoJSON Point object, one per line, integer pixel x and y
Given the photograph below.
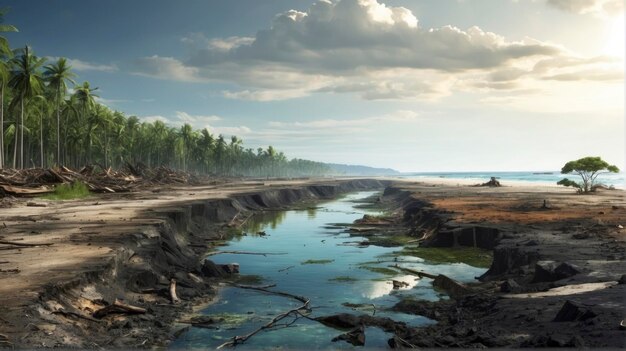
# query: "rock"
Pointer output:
{"type": "Point", "coordinates": [210, 269]}
{"type": "Point", "coordinates": [397, 343]}
{"type": "Point", "coordinates": [340, 321]}
{"type": "Point", "coordinates": [142, 280]}
{"type": "Point", "coordinates": [572, 311]}
{"type": "Point", "coordinates": [556, 341]}
{"type": "Point", "coordinates": [232, 268]}
{"type": "Point", "coordinates": [549, 271]}
{"type": "Point", "coordinates": [532, 243]}
{"type": "Point", "coordinates": [581, 236]}
{"type": "Point", "coordinates": [454, 288]}
{"type": "Point", "coordinates": [576, 341]}
{"type": "Point", "coordinates": [355, 337]}
{"type": "Point", "coordinates": [448, 340]}
{"type": "Point", "coordinates": [622, 279]}
{"type": "Point", "coordinates": [565, 270]}
{"type": "Point", "coordinates": [509, 286]}
{"type": "Point", "coordinates": [397, 284]}
{"type": "Point", "coordinates": [493, 182]}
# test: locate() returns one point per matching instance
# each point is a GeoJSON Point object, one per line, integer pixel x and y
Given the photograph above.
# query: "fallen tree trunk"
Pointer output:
{"type": "Point", "coordinates": [414, 272]}
{"type": "Point", "coordinates": [279, 293]}
{"type": "Point", "coordinates": [24, 244]}
{"type": "Point", "coordinates": [118, 307]}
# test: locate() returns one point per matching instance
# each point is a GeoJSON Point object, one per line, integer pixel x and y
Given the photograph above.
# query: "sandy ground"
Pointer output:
{"type": "Point", "coordinates": [60, 228]}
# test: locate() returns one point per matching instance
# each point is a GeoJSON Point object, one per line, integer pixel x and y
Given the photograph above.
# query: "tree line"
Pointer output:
{"type": "Point", "coordinates": [44, 123]}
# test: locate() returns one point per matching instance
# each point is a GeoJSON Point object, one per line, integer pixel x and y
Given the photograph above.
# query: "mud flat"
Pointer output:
{"type": "Point", "coordinates": [97, 273]}
{"type": "Point", "coordinates": [557, 277]}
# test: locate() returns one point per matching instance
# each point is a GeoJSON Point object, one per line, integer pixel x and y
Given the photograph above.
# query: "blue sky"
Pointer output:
{"type": "Point", "coordinates": [495, 85]}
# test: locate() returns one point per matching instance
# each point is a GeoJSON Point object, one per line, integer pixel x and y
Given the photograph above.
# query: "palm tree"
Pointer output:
{"type": "Point", "coordinates": [43, 106]}
{"type": "Point", "coordinates": [57, 75]}
{"type": "Point", "coordinates": [5, 51]}
{"type": "Point", "coordinates": [85, 98]}
{"type": "Point", "coordinates": [186, 134]}
{"type": "Point", "coordinates": [26, 82]}
{"type": "Point", "coordinates": [4, 77]}
{"type": "Point", "coordinates": [4, 43]}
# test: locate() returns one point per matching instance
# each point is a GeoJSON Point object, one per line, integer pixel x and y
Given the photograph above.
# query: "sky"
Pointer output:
{"type": "Point", "coordinates": [414, 85]}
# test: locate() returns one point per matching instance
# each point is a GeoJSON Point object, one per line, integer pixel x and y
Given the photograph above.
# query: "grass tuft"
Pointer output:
{"type": "Point", "coordinates": [75, 190]}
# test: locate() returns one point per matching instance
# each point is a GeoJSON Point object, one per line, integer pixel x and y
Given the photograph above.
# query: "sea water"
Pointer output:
{"type": "Point", "coordinates": [617, 180]}
{"type": "Point", "coordinates": [334, 275]}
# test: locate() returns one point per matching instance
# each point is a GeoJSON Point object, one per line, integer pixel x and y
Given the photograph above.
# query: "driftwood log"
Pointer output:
{"type": "Point", "coordinates": [118, 307]}
{"type": "Point", "coordinates": [452, 287]}
{"type": "Point", "coordinates": [295, 312]}
{"type": "Point", "coordinates": [173, 297]}
{"type": "Point", "coordinates": [24, 244]}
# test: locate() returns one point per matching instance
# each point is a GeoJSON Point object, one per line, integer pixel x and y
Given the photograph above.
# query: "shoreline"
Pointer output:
{"type": "Point", "coordinates": [91, 259]}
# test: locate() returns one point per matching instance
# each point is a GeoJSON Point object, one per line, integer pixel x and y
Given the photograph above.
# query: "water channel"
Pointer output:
{"type": "Point", "coordinates": [312, 256]}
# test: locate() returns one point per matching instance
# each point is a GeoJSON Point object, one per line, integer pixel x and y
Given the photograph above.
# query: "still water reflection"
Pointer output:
{"type": "Point", "coordinates": [319, 265]}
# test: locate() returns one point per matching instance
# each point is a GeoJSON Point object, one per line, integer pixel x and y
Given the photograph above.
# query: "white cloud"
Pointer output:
{"type": "Point", "coordinates": [195, 119]}
{"type": "Point", "coordinates": [367, 48]}
{"type": "Point", "coordinates": [80, 65]}
{"type": "Point", "coordinates": [110, 102]}
{"type": "Point", "coordinates": [154, 118]}
{"type": "Point", "coordinates": [180, 117]}
{"type": "Point", "coordinates": [402, 116]}
{"type": "Point", "coordinates": [601, 8]}
{"type": "Point", "coordinates": [166, 67]}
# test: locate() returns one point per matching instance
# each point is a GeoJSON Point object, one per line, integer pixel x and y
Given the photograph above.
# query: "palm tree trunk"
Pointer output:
{"type": "Point", "coordinates": [58, 127]}
{"type": "Point", "coordinates": [22, 132]}
{"type": "Point", "coordinates": [16, 142]}
{"type": "Point", "coordinates": [41, 138]}
{"type": "Point", "coordinates": [2, 125]}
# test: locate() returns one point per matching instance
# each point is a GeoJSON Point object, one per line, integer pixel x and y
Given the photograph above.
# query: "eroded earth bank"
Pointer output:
{"type": "Point", "coordinates": [556, 278]}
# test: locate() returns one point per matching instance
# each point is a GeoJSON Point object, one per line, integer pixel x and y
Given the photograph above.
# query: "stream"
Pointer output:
{"type": "Point", "coordinates": [312, 256]}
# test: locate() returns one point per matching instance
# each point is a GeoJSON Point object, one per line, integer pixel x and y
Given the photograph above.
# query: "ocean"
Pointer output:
{"type": "Point", "coordinates": [617, 180]}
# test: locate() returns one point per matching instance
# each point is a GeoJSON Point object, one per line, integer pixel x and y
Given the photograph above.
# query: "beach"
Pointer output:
{"type": "Point", "coordinates": [64, 258]}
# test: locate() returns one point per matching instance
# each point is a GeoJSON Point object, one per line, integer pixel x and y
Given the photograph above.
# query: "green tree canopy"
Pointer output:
{"type": "Point", "coordinates": [588, 168]}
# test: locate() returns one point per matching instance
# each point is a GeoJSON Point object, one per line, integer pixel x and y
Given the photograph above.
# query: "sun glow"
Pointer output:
{"type": "Point", "coordinates": [614, 44]}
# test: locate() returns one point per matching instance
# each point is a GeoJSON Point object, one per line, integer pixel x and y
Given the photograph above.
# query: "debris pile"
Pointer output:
{"type": "Point", "coordinates": [36, 181]}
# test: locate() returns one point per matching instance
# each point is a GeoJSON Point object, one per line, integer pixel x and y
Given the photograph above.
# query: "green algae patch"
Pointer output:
{"type": "Point", "coordinates": [472, 256]}
{"type": "Point", "coordinates": [380, 270]}
{"type": "Point", "coordinates": [230, 320]}
{"type": "Point", "coordinates": [343, 279]}
{"type": "Point", "coordinates": [249, 279]}
{"type": "Point", "coordinates": [390, 240]}
{"type": "Point", "coordinates": [317, 261]}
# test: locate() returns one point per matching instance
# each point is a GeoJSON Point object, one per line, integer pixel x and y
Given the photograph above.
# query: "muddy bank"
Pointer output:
{"type": "Point", "coordinates": [60, 294]}
{"type": "Point", "coordinates": [557, 274]}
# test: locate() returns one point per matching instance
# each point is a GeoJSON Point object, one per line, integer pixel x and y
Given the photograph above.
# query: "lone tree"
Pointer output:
{"type": "Point", "coordinates": [588, 168]}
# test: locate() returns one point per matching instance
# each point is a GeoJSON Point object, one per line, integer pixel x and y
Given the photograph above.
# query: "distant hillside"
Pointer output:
{"type": "Point", "coordinates": [355, 170]}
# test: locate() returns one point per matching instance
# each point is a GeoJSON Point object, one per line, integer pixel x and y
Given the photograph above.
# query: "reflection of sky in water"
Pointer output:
{"type": "Point", "coordinates": [381, 288]}
{"type": "Point", "coordinates": [306, 235]}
